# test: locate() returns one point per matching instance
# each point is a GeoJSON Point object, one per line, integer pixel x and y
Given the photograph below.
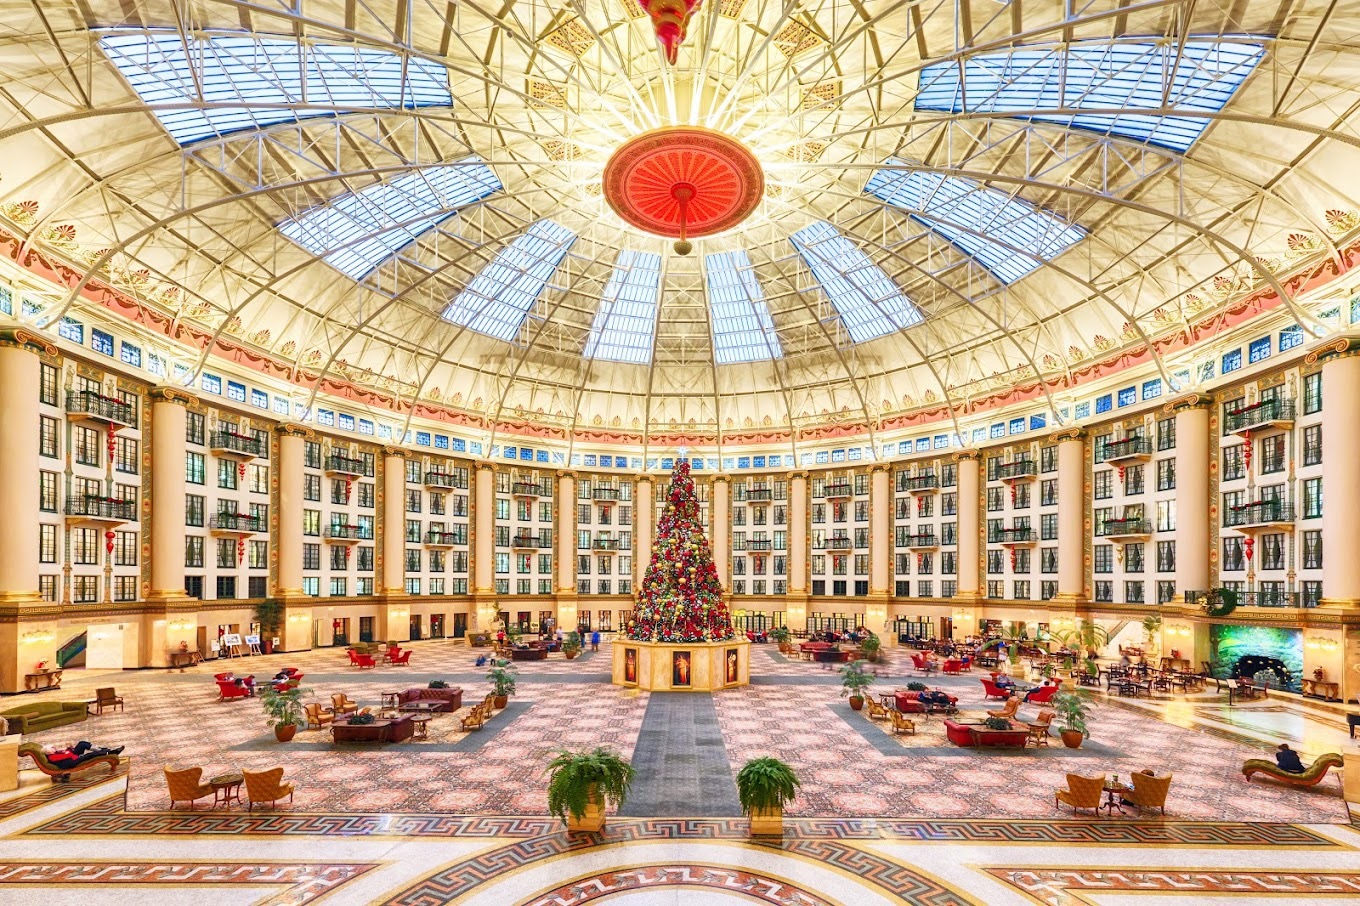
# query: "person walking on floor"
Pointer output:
{"type": "Point", "coordinates": [595, 640]}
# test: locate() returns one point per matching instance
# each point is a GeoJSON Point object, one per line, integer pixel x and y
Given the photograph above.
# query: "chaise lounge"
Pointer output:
{"type": "Point", "coordinates": [63, 774]}
{"type": "Point", "coordinates": [1312, 776]}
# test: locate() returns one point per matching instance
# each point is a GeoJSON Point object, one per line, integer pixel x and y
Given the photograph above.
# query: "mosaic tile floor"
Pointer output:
{"type": "Point", "coordinates": [457, 821]}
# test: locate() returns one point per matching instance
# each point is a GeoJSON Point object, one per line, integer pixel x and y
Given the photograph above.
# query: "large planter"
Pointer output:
{"type": "Point", "coordinates": [768, 823]}
{"type": "Point", "coordinates": [856, 702]}
{"type": "Point", "coordinates": [592, 822]}
{"type": "Point", "coordinates": [500, 701]}
{"type": "Point", "coordinates": [285, 732]}
{"type": "Point", "coordinates": [1071, 738]}
{"type": "Point", "coordinates": [571, 655]}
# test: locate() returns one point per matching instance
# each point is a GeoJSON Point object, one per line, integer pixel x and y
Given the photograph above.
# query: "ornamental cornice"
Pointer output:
{"type": "Point", "coordinates": [961, 455]}
{"type": "Point", "coordinates": [1334, 348]}
{"type": "Point", "coordinates": [723, 477]}
{"type": "Point", "coordinates": [800, 475]}
{"type": "Point", "coordinates": [1187, 402]}
{"type": "Point", "coordinates": [292, 429]}
{"type": "Point", "coordinates": [484, 467]}
{"type": "Point", "coordinates": [170, 395]}
{"type": "Point", "coordinates": [399, 452]}
{"type": "Point", "coordinates": [19, 338]}
{"type": "Point", "coordinates": [1072, 433]}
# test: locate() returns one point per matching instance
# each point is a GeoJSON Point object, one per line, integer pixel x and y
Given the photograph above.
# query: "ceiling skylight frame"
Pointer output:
{"type": "Point", "coordinates": [1007, 235]}
{"type": "Point", "coordinates": [743, 330]}
{"type": "Point", "coordinates": [275, 80]}
{"type": "Point", "coordinates": [1203, 74]}
{"type": "Point", "coordinates": [357, 232]}
{"type": "Point", "coordinates": [498, 299]}
{"type": "Point", "coordinates": [870, 305]}
{"type": "Point", "coordinates": [625, 323]}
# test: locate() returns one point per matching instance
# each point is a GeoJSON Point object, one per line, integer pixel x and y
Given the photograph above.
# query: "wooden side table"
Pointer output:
{"type": "Point", "coordinates": [226, 789]}
{"type": "Point", "coordinates": [421, 726]}
{"type": "Point", "coordinates": [1114, 795]}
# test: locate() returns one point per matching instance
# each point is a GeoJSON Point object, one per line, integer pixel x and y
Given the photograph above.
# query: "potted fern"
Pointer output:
{"type": "Point", "coordinates": [870, 647]}
{"type": "Point", "coordinates": [764, 787]}
{"type": "Point", "coordinates": [502, 678]}
{"type": "Point", "coordinates": [581, 783]}
{"type": "Point", "coordinates": [1074, 714]}
{"type": "Point", "coordinates": [283, 709]}
{"type": "Point", "coordinates": [997, 723]}
{"type": "Point", "coordinates": [571, 646]}
{"type": "Point", "coordinates": [854, 681]}
{"type": "Point", "coordinates": [781, 637]}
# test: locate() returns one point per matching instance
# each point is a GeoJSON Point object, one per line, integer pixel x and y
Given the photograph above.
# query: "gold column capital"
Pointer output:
{"type": "Point", "coordinates": [389, 450]}
{"type": "Point", "coordinates": [22, 338]}
{"type": "Point", "coordinates": [1334, 348]}
{"type": "Point", "coordinates": [968, 454]}
{"type": "Point", "coordinates": [484, 467]}
{"type": "Point", "coordinates": [1188, 402]}
{"type": "Point", "coordinates": [293, 429]}
{"type": "Point", "coordinates": [1072, 433]}
{"type": "Point", "coordinates": [166, 394]}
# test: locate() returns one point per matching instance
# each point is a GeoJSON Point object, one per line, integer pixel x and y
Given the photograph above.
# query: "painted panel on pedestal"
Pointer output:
{"type": "Point", "coordinates": [732, 665]}
{"type": "Point", "coordinates": [680, 668]}
{"type": "Point", "coordinates": [630, 665]}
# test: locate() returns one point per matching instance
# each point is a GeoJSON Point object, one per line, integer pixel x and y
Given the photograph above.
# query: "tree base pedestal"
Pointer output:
{"type": "Point", "coordinates": [682, 666]}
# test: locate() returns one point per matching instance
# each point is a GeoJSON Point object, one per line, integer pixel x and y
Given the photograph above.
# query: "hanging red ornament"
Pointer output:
{"type": "Point", "coordinates": [347, 552]}
{"type": "Point", "coordinates": [349, 483]}
{"type": "Point", "coordinates": [113, 430]}
{"type": "Point", "coordinates": [240, 550]}
{"type": "Point", "coordinates": [108, 541]}
{"type": "Point", "coordinates": [1012, 559]}
{"type": "Point", "coordinates": [241, 470]}
{"type": "Point", "coordinates": [1012, 495]}
{"type": "Point", "coordinates": [1121, 474]}
{"type": "Point", "coordinates": [1248, 545]}
{"type": "Point", "coordinates": [920, 505]}
{"type": "Point", "coordinates": [1246, 450]}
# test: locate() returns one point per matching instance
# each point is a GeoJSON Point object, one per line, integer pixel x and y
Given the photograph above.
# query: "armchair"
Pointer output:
{"type": "Point", "coordinates": [317, 717]}
{"type": "Point", "coordinates": [266, 786]}
{"type": "Point", "coordinates": [1043, 695]}
{"type": "Point", "coordinates": [1081, 792]}
{"type": "Point", "coordinates": [992, 690]}
{"type": "Point", "coordinates": [185, 786]}
{"type": "Point", "coordinates": [1008, 710]}
{"type": "Point", "coordinates": [901, 723]}
{"type": "Point", "coordinates": [341, 704]}
{"type": "Point", "coordinates": [1149, 790]}
{"type": "Point", "coordinates": [474, 719]}
{"type": "Point", "coordinates": [107, 698]}
{"type": "Point", "coordinates": [364, 661]}
{"type": "Point", "coordinates": [401, 660]}
{"type": "Point", "coordinates": [876, 711]}
{"type": "Point", "coordinates": [227, 689]}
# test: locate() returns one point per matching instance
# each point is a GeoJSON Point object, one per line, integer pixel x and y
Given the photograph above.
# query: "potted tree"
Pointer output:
{"type": "Point", "coordinates": [871, 647]}
{"type": "Point", "coordinates": [284, 710]}
{"type": "Point", "coordinates": [571, 645]}
{"type": "Point", "coordinates": [580, 783]}
{"type": "Point", "coordinates": [502, 677]}
{"type": "Point", "coordinates": [269, 614]}
{"type": "Point", "coordinates": [854, 681]}
{"type": "Point", "coordinates": [1152, 635]}
{"type": "Point", "coordinates": [781, 636]}
{"type": "Point", "coordinates": [764, 787]}
{"type": "Point", "coordinates": [1073, 713]}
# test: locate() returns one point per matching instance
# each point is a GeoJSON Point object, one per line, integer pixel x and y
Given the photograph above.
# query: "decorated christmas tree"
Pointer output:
{"type": "Point", "coordinates": [680, 599]}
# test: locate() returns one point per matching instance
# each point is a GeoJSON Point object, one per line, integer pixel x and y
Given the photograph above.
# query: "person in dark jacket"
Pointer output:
{"type": "Point", "coordinates": [1288, 759]}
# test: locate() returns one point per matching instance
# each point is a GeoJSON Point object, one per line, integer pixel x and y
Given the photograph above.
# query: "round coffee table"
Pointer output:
{"type": "Point", "coordinates": [421, 725]}
{"type": "Point", "coordinates": [1114, 793]}
{"type": "Point", "coordinates": [226, 789]}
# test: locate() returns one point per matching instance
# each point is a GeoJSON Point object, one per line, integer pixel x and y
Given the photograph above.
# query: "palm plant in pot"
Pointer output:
{"type": "Point", "coordinates": [502, 679]}
{"type": "Point", "coordinates": [284, 710]}
{"type": "Point", "coordinates": [764, 787]}
{"type": "Point", "coordinates": [781, 637]}
{"type": "Point", "coordinates": [854, 681]}
{"type": "Point", "coordinates": [871, 647]}
{"type": "Point", "coordinates": [1074, 713]}
{"type": "Point", "coordinates": [580, 783]}
{"type": "Point", "coordinates": [571, 645]}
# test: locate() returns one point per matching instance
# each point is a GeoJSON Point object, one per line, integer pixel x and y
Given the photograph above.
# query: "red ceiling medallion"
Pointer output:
{"type": "Point", "coordinates": [670, 18]}
{"type": "Point", "coordinates": [683, 181]}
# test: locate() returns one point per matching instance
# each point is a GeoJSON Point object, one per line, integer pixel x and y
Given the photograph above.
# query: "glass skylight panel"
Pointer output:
{"type": "Point", "coordinates": [1008, 236]}
{"type": "Point", "coordinates": [625, 322]}
{"type": "Point", "coordinates": [742, 328]}
{"type": "Point", "coordinates": [265, 81]}
{"type": "Point", "coordinates": [358, 231]}
{"type": "Point", "coordinates": [499, 297]}
{"type": "Point", "coordinates": [1200, 76]}
{"type": "Point", "coordinates": [869, 304]}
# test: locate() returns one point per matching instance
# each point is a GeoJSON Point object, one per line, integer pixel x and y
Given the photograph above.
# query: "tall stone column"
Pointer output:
{"type": "Point", "coordinates": [484, 548]}
{"type": "Point", "coordinates": [20, 602]}
{"type": "Point", "coordinates": [1192, 493]}
{"type": "Point", "coordinates": [880, 547]}
{"type": "Point", "coordinates": [1072, 503]}
{"type": "Point", "coordinates": [969, 557]}
{"type": "Point", "coordinates": [722, 530]}
{"type": "Point", "coordinates": [567, 612]}
{"type": "Point", "coordinates": [795, 607]}
{"type": "Point", "coordinates": [166, 530]}
{"type": "Point", "coordinates": [297, 622]}
{"type": "Point", "coordinates": [394, 613]}
{"type": "Point", "coordinates": [644, 526]}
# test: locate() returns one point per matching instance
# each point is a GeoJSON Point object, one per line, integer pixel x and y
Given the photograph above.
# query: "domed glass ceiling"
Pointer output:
{"type": "Point", "coordinates": [960, 197]}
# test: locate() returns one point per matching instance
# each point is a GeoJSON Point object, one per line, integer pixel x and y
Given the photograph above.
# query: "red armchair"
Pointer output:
{"type": "Point", "coordinates": [1043, 695]}
{"type": "Point", "coordinates": [992, 690]}
{"type": "Point", "coordinates": [922, 663]}
{"type": "Point", "coordinates": [362, 660]}
{"type": "Point", "coordinates": [954, 666]}
{"type": "Point", "coordinates": [401, 660]}
{"type": "Point", "coordinates": [227, 689]}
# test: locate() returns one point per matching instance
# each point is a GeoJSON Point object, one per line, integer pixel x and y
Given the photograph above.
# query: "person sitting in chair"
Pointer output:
{"type": "Point", "coordinates": [1045, 685]}
{"type": "Point", "coordinates": [933, 697]}
{"type": "Point", "coordinates": [71, 756]}
{"type": "Point", "coordinates": [1003, 681]}
{"type": "Point", "coordinates": [1288, 759]}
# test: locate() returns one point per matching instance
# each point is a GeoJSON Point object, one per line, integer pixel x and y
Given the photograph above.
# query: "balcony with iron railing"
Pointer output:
{"type": "Point", "coordinates": [918, 484]}
{"type": "Point", "coordinates": [101, 509]}
{"type": "Point", "coordinates": [1131, 527]}
{"type": "Point", "coordinates": [231, 445]}
{"type": "Point", "coordinates": [1269, 413]}
{"type": "Point", "coordinates": [86, 404]}
{"type": "Point", "coordinates": [348, 534]}
{"type": "Point", "coordinates": [606, 545]}
{"type": "Point", "coordinates": [339, 464]}
{"type": "Point", "coordinates": [1259, 514]}
{"type": "Point", "coordinates": [838, 490]}
{"type": "Point", "coordinates": [757, 546]}
{"type": "Point", "coordinates": [1011, 536]}
{"type": "Point", "coordinates": [1130, 449]}
{"type": "Point", "coordinates": [837, 543]}
{"type": "Point", "coordinates": [606, 494]}
{"type": "Point", "coordinates": [236, 524]}
{"type": "Point", "coordinates": [530, 489]}
{"type": "Point", "coordinates": [530, 542]}
{"type": "Point", "coordinates": [1020, 470]}
{"type": "Point", "coordinates": [440, 539]}
{"type": "Point", "coordinates": [922, 540]}
{"type": "Point", "coordinates": [758, 495]}
{"type": "Point", "coordinates": [446, 480]}
{"type": "Point", "coordinates": [1256, 599]}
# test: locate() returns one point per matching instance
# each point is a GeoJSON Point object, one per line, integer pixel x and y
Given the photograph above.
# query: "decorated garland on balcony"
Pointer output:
{"type": "Point", "coordinates": [1220, 602]}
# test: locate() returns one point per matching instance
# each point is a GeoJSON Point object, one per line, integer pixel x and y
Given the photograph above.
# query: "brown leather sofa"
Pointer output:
{"type": "Point", "coordinates": [450, 699]}
{"type": "Point", "coordinates": [528, 654]}
{"type": "Point", "coordinates": [398, 730]}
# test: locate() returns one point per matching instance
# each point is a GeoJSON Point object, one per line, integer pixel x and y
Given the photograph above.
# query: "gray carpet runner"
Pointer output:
{"type": "Point", "coordinates": [681, 762]}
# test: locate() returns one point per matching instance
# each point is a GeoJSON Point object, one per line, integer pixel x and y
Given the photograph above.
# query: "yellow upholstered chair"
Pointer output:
{"type": "Point", "coordinates": [474, 719]}
{"type": "Point", "coordinates": [1008, 711]}
{"type": "Point", "coordinates": [341, 704]}
{"type": "Point", "coordinates": [317, 717]}
{"type": "Point", "coordinates": [876, 710]}
{"type": "Point", "coordinates": [266, 786]}
{"type": "Point", "coordinates": [1038, 731]}
{"type": "Point", "coordinates": [184, 785]}
{"type": "Point", "coordinates": [901, 723]}
{"type": "Point", "coordinates": [1081, 792]}
{"type": "Point", "coordinates": [1149, 790]}
{"type": "Point", "coordinates": [489, 704]}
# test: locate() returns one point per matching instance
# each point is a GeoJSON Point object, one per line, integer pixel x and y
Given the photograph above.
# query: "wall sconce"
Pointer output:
{"type": "Point", "coordinates": [1320, 643]}
{"type": "Point", "coordinates": [1179, 630]}
{"type": "Point", "coordinates": [297, 618]}
{"type": "Point", "coordinates": [38, 636]}
{"type": "Point", "coordinates": [180, 626]}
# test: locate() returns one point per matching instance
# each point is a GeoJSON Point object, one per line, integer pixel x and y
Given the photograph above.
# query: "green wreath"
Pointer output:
{"type": "Point", "coordinates": [1220, 602]}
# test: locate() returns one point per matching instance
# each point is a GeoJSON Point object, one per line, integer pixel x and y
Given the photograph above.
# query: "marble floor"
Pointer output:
{"type": "Point", "coordinates": [460, 818]}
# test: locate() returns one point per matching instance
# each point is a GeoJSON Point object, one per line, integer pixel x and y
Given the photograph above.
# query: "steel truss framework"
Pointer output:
{"type": "Point", "coordinates": [824, 92]}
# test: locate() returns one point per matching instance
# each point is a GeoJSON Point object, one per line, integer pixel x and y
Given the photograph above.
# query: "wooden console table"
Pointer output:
{"type": "Point", "coordinates": [1327, 691]}
{"type": "Point", "coordinates": [47, 679]}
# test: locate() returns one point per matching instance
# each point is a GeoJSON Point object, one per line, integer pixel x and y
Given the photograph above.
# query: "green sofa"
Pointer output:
{"type": "Point", "coordinates": [39, 716]}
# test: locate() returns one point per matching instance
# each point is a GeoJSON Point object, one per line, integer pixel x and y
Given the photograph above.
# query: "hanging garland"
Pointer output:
{"type": "Point", "coordinates": [1220, 602]}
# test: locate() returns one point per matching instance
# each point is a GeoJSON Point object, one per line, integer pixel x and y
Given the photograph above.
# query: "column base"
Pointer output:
{"type": "Point", "coordinates": [681, 666]}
